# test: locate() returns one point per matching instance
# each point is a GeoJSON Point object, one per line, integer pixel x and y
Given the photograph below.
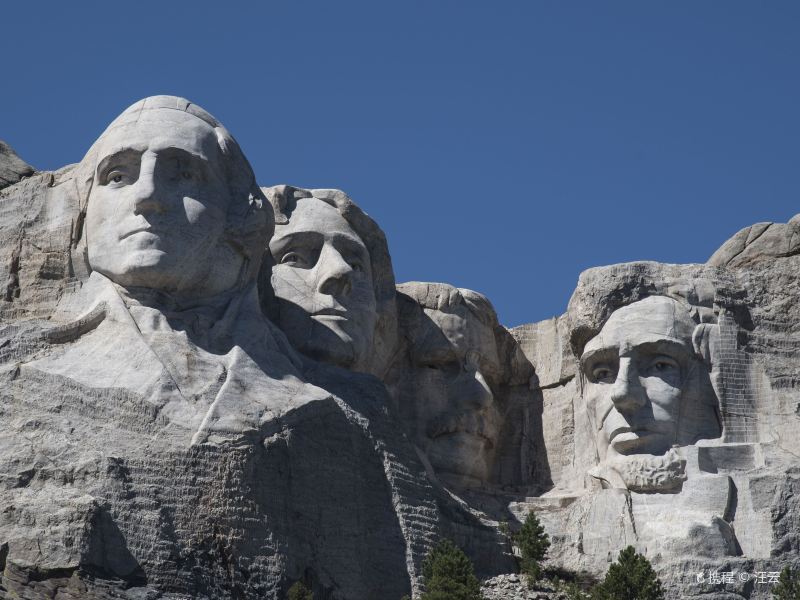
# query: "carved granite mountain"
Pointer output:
{"type": "Point", "coordinates": [722, 497]}
{"type": "Point", "coordinates": [213, 390]}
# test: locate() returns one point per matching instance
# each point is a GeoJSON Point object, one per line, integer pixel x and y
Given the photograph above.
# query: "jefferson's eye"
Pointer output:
{"type": "Point", "coordinates": [603, 374]}
{"type": "Point", "coordinates": [357, 266]}
{"type": "Point", "coordinates": [294, 259]}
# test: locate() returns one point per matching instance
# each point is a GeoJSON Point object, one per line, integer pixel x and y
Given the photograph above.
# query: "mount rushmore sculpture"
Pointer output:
{"type": "Point", "coordinates": [215, 389]}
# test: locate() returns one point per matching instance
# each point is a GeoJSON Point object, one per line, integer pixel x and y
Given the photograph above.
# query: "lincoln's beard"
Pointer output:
{"type": "Point", "coordinates": [643, 473]}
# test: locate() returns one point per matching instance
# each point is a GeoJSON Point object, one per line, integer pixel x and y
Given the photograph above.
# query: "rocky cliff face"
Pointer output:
{"type": "Point", "coordinates": [732, 511]}
{"type": "Point", "coordinates": [12, 167]}
{"type": "Point", "coordinates": [167, 436]}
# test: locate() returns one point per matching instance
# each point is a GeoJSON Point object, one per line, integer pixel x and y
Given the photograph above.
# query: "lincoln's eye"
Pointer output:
{"type": "Point", "coordinates": [187, 174]}
{"type": "Point", "coordinates": [662, 366]}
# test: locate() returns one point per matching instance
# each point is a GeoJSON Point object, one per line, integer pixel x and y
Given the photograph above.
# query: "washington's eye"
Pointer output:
{"type": "Point", "coordinates": [115, 176]}
{"type": "Point", "coordinates": [357, 266]}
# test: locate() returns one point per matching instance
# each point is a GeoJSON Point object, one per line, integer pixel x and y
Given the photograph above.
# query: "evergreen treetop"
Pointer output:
{"type": "Point", "coordinates": [533, 544]}
{"type": "Point", "coordinates": [299, 591]}
{"type": "Point", "coordinates": [788, 587]}
{"type": "Point", "coordinates": [448, 574]}
{"type": "Point", "coordinates": [630, 578]}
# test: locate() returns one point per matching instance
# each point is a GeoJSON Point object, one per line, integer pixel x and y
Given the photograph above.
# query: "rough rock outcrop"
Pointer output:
{"type": "Point", "coordinates": [12, 167]}
{"type": "Point", "coordinates": [733, 504]}
{"type": "Point", "coordinates": [758, 243]}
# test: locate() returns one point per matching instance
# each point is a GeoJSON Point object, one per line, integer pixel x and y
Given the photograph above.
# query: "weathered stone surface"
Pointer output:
{"type": "Point", "coordinates": [327, 280]}
{"type": "Point", "coordinates": [197, 405]}
{"type": "Point", "coordinates": [514, 586]}
{"type": "Point", "coordinates": [40, 230]}
{"type": "Point", "coordinates": [758, 243]}
{"type": "Point", "coordinates": [734, 498]}
{"type": "Point", "coordinates": [12, 167]}
{"type": "Point", "coordinates": [160, 433]}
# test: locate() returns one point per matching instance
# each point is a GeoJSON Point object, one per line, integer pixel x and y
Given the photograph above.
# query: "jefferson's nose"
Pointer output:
{"type": "Point", "coordinates": [334, 273]}
{"type": "Point", "coordinates": [627, 393]}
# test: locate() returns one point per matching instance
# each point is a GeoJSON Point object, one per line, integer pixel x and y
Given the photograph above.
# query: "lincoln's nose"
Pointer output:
{"type": "Point", "coordinates": [627, 393]}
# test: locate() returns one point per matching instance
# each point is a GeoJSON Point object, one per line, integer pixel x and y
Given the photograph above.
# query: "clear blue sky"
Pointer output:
{"type": "Point", "coordinates": [502, 146]}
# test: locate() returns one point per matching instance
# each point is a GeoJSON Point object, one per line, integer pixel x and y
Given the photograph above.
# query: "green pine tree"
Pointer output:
{"type": "Point", "coordinates": [299, 591]}
{"type": "Point", "coordinates": [448, 574]}
{"type": "Point", "coordinates": [788, 587]}
{"type": "Point", "coordinates": [533, 544]}
{"type": "Point", "coordinates": [630, 578]}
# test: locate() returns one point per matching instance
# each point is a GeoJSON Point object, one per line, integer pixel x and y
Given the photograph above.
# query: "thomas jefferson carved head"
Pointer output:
{"type": "Point", "coordinates": [171, 202]}
{"type": "Point", "coordinates": [331, 286]}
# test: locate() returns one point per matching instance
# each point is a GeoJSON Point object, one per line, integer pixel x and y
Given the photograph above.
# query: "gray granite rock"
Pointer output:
{"type": "Point", "coordinates": [161, 436]}
{"type": "Point", "coordinates": [758, 243]}
{"type": "Point", "coordinates": [12, 167]}
{"type": "Point", "coordinates": [718, 500]}
{"type": "Point", "coordinates": [212, 389]}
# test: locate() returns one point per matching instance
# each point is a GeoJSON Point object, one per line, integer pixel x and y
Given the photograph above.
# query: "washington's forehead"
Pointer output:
{"type": "Point", "coordinates": [645, 321]}
{"type": "Point", "coordinates": [158, 130]}
{"type": "Point", "coordinates": [166, 115]}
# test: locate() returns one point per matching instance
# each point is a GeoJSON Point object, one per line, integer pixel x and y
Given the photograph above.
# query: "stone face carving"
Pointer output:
{"type": "Point", "coordinates": [195, 407]}
{"type": "Point", "coordinates": [647, 390]}
{"type": "Point", "coordinates": [157, 366]}
{"type": "Point", "coordinates": [331, 279]}
{"type": "Point", "coordinates": [165, 210]}
{"type": "Point", "coordinates": [173, 230]}
{"type": "Point", "coordinates": [446, 390]}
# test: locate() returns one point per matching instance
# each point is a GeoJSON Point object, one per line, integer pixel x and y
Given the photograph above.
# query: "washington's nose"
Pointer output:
{"type": "Point", "coordinates": [627, 393]}
{"type": "Point", "coordinates": [335, 273]}
{"type": "Point", "coordinates": [144, 190]}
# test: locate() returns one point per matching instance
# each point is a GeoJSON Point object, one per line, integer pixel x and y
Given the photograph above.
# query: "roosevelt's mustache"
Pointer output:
{"type": "Point", "coordinates": [478, 423]}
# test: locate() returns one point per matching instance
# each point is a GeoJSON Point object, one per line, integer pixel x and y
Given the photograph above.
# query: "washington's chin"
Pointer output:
{"type": "Point", "coordinates": [140, 268]}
